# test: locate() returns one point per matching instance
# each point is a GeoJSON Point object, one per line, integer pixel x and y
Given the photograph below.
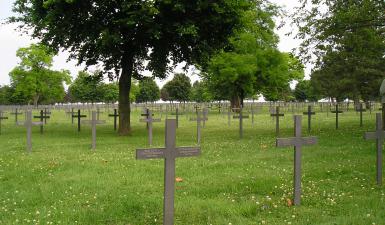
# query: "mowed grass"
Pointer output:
{"type": "Point", "coordinates": [235, 181]}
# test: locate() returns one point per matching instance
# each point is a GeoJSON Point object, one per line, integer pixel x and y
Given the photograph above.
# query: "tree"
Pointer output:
{"type": "Point", "coordinates": [148, 91]}
{"type": "Point", "coordinates": [87, 87]}
{"type": "Point", "coordinates": [164, 95]}
{"type": "Point", "coordinates": [200, 92]}
{"type": "Point", "coordinates": [304, 91]}
{"type": "Point", "coordinates": [179, 88]}
{"type": "Point", "coordinates": [128, 36]}
{"type": "Point", "coordinates": [251, 64]}
{"type": "Point", "coordinates": [134, 90]}
{"type": "Point", "coordinates": [33, 78]}
{"type": "Point", "coordinates": [5, 95]}
{"type": "Point", "coordinates": [347, 40]}
{"type": "Point", "coordinates": [110, 92]}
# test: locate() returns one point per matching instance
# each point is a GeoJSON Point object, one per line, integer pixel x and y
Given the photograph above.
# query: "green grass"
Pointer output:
{"type": "Point", "coordinates": [238, 182]}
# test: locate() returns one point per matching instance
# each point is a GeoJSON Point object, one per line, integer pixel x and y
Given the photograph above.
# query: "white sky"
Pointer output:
{"type": "Point", "coordinates": [11, 40]}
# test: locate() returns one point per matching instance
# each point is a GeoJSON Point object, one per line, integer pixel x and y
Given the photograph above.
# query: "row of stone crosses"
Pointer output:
{"type": "Point", "coordinates": [170, 152]}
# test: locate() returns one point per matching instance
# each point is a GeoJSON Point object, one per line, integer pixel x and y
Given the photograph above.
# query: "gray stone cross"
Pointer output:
{"type": "Point", "coordinates": [16, 113]}
{"type": "Point", "coordinates": [79, 116]}
{"type": "Point", "coordinates": [46, 113]}
{"type": "Point", "coordinates": [147, 114]}
{"type": "Point", "coordinates": [379, 136]}
{"type": "Point", "coordinates": [198, 119]}
{"type": "Point", "coordinates": [2, 117]}
{"type": "Point", "coordinates": [149, 120]}
{"type": "Point", "coordinates": [277, 115]}
{"type": "Point", "coordinates": [169, 153]}
{"type": "Point", "coordinates": [361, 110]}
{"type": "Point", "coordinates": [205, 112]}
{"type": "Point", "coordinates": [41, 117]}
{"type": "Point", "coordinates": [115, 115]}
{"type": "Point", "coordinates": [240, 116]}
{"type": "Point", "coordinates": [336, 111]}
{"type": "Point", "coordinates": [298, 141]}
{"type": "Point", "coordinates": [28, 124]}
{"type": "Point", "coordinates": [93, 123]}
{"type": "Point", "coordinates": [309, 113]}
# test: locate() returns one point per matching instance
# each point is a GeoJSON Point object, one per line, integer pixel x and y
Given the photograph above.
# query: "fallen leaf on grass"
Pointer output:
{"type": "Point", "coordinates": [289, 202]}
{"type": "Point", "coordinates": [178, 179]}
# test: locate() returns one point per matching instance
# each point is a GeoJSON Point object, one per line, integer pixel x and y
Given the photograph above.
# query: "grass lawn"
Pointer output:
{"type": "Point", "coordinates": [238, 182]}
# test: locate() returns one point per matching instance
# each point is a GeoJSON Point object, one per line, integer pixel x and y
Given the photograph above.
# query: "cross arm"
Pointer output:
{"type": "Point", "coordinates": [187, 151]}
{"type": "Point", "coordinates": [285, 142]}
{"type": "Point", "coordinates": [154, 153]}
{"type": "Point", "coordinates": [374, 135]}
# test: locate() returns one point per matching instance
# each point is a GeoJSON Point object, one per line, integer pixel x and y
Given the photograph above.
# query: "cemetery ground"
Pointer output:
{"type": "Point", "coordinates": [234, 181]}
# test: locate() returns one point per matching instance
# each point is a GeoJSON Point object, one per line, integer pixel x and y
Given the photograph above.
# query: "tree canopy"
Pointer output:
{"type": "Point", "coordinates": [251, 64]}
{"type": "Point", "coordinates": [148, 91]}
{"type": "Point", "coordinates": [34, 80]}
{"type": "Point", "coordinates": [345, 41]}
{"type": "Point", "coordinates": [130, 36]}
{"type": "Point", "coordinates": [177, 89]}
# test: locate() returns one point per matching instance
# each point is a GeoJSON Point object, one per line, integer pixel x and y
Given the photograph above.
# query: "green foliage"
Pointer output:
{"type": "Point", "coordinates": [134, 90]}
{"type": "Point", "coordinates": [251, 63]}
{"type": "Point", "coordinates": [148, 91]}
{"type": "Point", "coordinates": [200, 92]}
{"type": "Point", "coordinates": [87, 87]}
{"type": "Point", "coordinates": [164, 95]}
{"type": "Point", "coordinates": [110, 92]}
{"type": "Point", "coordinates": [129, 36]}
{"type": "Point", "coordinates": [179, 88]}
{"type": "Point", "coordinates": [348, 42]}
{"type": "Point", "coordinates": [6, 93]}
{"type": "Point", "coordinates": [304, 91]}
{"type": "Point", "coordinates": [33, 78]}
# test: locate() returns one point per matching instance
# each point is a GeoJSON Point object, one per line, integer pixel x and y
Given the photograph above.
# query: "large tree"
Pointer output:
{"type": "Point", "coordinates": [34, 79]}
{"type": "Point", "coordinates": [87, 87]}
{"type": "Point", "coordinates": [126, 34]}
{"type": "Point", "coordinates": [179, 88]}
{"type": "Point", "coordinates": [251, 64]}
{"type": "Point", "coordinates": [148, 91]}
{"type": "Point", "coordinates": [345, 40]}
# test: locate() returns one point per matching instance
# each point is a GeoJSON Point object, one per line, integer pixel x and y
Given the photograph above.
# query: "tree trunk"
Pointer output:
{"type": "Point", "coordinates": [35, 100]}
{"type": "Point", "coordinates": [124, 96]}
{"type": "Point", "coordinates": [235, 103]}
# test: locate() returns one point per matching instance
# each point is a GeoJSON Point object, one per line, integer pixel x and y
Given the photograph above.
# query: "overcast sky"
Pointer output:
{"type": "Point", "coordinates": [11, 40]}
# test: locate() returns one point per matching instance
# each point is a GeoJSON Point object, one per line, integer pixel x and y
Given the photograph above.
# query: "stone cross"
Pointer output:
{"type": "Point", "coordinates": [115, 115]}
{"type": "Point", "coordinates": [277, 115]}
{"type": "Point", "coordinates": [229, 116]}
{"type": "Point", "coordinates": [16, 113]}
{"type": "Point", "coordinates": [309, 113]}
{"type": "Point", "coordinates": [46, 113]}
{"type": "Point", "coordinates": [71, 113]}
{"type": "Point", "coordinates": [379, 136]}
{"type": "Point", "coordinates": [98, 112]}
{"type": "Point", "coordinates": [361, 109]}
{"type": "Point", "coordinates": [169, 153]}
{"type": "Point", "coordinates": [28, 124]}
{"type": "Point", "coordinates": [205, 115]}
{"type": "Point", "coordinates": [199, 119]}
{"type": "Point", "coordinates": [79, 116]}
{"type": "Point", "coordinates": [336, 111]}
{"type": "Point", "coordinates": [146, 114]}
{"type": "Point", "coordinates": [93, 123]}
{"type": "Point", "coordinates": [240, 116]}
{"type": "Point", "coordinates": [298, 141]}
{"type": "Point", "coordinates": [149, 120]}
{"type": "Point", "coordinates": [2, 117]}
{"type": "Point", "coordinates": [41, 117]}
